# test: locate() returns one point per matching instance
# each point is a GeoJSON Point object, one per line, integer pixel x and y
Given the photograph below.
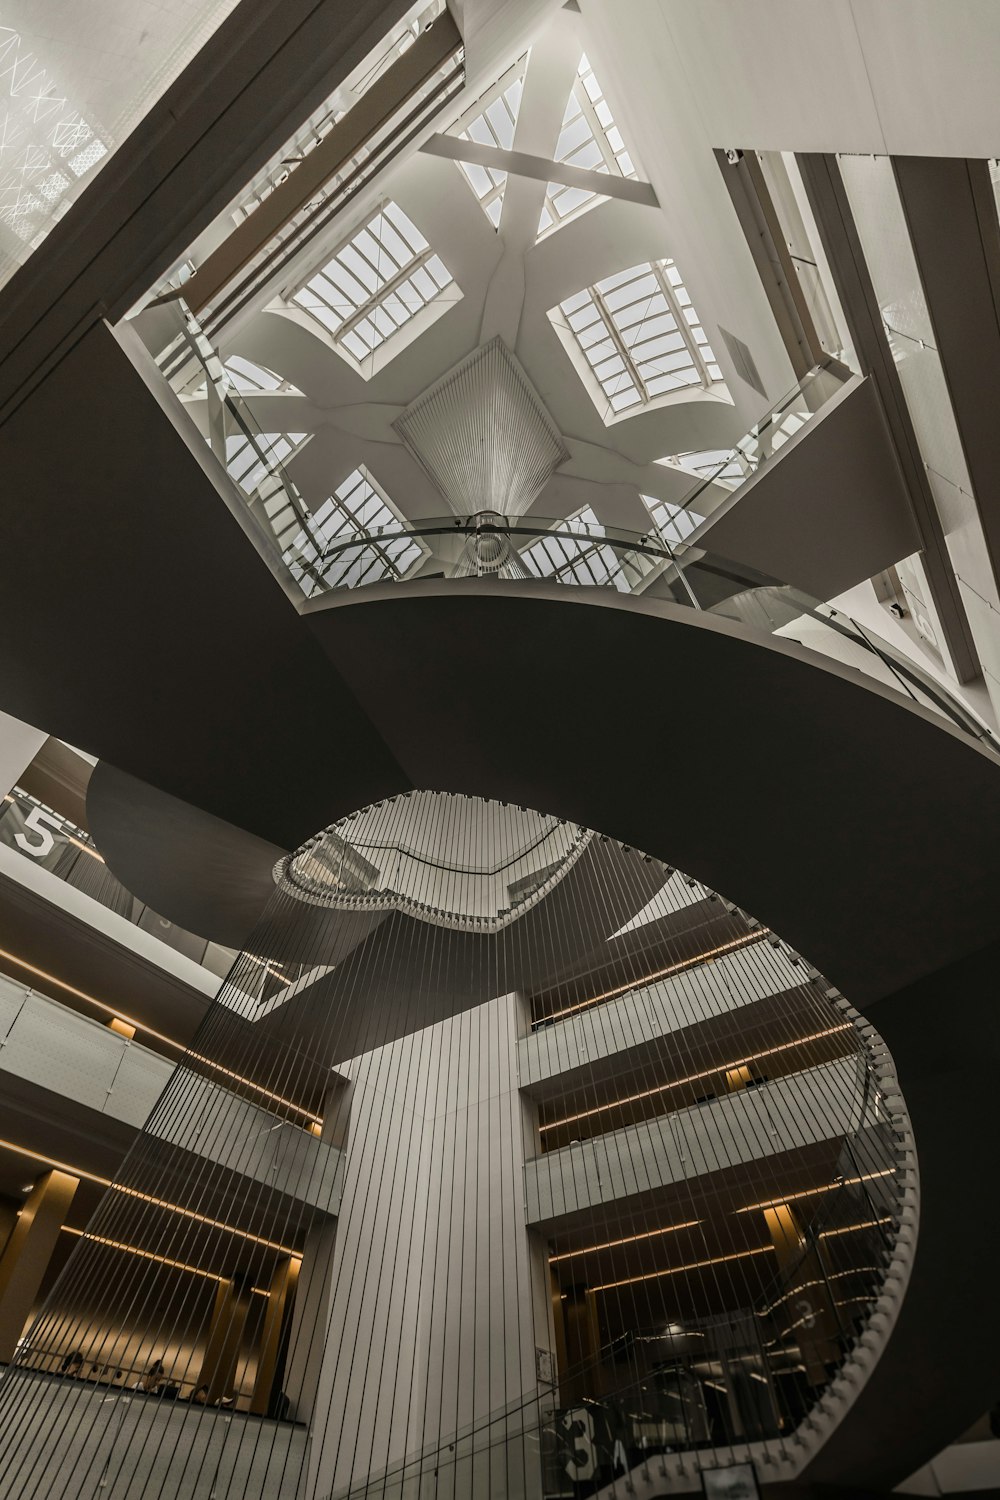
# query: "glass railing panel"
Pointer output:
{"type": "Point", "coordinates": [580, 554]}
{"type": "Point", "coordinates": [54, 843]}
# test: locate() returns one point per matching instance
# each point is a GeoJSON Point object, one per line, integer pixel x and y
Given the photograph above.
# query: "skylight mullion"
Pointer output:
{"type": "Point", "coordinates": [683, 326]}
{"type": "Point", "coordinates": [618, 341]}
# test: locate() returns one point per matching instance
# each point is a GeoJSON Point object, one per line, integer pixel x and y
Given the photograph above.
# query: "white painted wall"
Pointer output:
{"type": "Point", "coordinates": [658, 1010]}
{"type": "Point", "coordinates": [818, 1105]}
{"type": "Point", "coordinates": [19, 744]}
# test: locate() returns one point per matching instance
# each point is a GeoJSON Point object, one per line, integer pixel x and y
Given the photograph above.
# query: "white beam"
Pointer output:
{"type": "Point", "coordinates": [521, 164]}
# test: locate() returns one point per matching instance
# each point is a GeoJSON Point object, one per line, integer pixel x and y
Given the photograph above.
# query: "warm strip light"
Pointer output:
{"type": "Point", "coordinates": [130, 1192]}
{"type": "Point", "coordinates": [814, 1192]}
{"type": "Point", "coordinates": [638, 984]}
{"type": "Point", "coordinates": [828, 1234]}
{"type": "Point", "coordinates": [694, 1265]}
{"type": "Point", "coordinates": [630, 1239]}
{"type": "Point", "coordinates": [663, 1088]}
{"type": "Point", "coordinates": [256, 959]}
{"type": "Point", "coordinates": [169, 1041]}
{"type": "Point", "coordinates": [804, 1286]}
{"type": "Point", "coordinates": [163, 1260]}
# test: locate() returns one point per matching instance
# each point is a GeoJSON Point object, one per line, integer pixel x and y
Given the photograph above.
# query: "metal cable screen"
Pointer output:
{"type": "Point", "coordinates": [506, 1160]}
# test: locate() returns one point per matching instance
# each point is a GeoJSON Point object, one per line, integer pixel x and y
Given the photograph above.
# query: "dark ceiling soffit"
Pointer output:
{"type": "Point", "coordinates": [161, 641]}
{"type": "Point", "coordinates": [265, 70]}
{"type": "Point", "coordinates": [828, 199]}
{"type": "Point", "coordinates": [951, 215]}
{"type": "Point", "coordinates": [751, 199]}
{"type": "Point", "coordinates": [205, 874]}
{"type": "Point", "coordinates": [789, 762]}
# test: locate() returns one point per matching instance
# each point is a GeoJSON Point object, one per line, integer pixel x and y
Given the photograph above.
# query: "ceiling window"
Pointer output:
{"type": "Point", "coordinates": [673, 522]}
{"type": "Point", "coordinates": [491, 121]}
{"type": "Point", "coordinates": [589, 138]}
{"type": "Point", "coordinates": [639, 337]}
{"type": "Point", "coordinates": [254, 461]}
{"type": "Point", "coordinates": [250, 379]}
{"type": "Point", "coordinates": [355, 514]}
{"type": "Point", "coordinates": [725, 466]}
{"type": "Point", "coordinates": [376, 284]}
{"type": "Point", "coordinates": [586, 559]}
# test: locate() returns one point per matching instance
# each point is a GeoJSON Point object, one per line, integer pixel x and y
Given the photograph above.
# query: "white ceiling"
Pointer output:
{"type": "Point", "coordinates": [509, 282]}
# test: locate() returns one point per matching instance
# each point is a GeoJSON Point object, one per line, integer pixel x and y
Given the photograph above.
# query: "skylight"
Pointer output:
{"type": "Point", "coordinates": [354, 513]}
{"type": "Point", "coordinates": [383, 277]}
{"type": "Point", "coordinates": [588, 561]}
{"type": "Point", "coordinates": [254, 462]}
{"type": "Point", "coordinates": [250, 379]}
{"type": "Point", "coordinates": [673, 522]}
{"type": "Point", "coordinates": [589, 138]}
{"type": "Point", "coordinates": [639, 337]}
{"type": "Point", "coordinates": [491, 121]}
{"type": "Point", "coordinates": [725, 466]}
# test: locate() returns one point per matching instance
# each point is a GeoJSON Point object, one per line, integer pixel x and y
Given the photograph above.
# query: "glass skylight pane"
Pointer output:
{"type": "Point", "coordinates": [375, 283]}
{"type": "Point", "coordinates": [673, 522]}
{"type": "Point", "coordinates": [635, 337]}
{"type": "Point", "coordinates": [589, 138]}
{"type": "Point", "coordinates": [492, 121]}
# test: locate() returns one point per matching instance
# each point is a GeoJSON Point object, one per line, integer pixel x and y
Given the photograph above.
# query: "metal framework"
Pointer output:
{"type": "Point", "coordinates": [589, 138]}
{"type": "Point", "coordinates": [640, 335]}
{"type": "Point", "coordinates": [357, 510]}
{"type": "Point", "coordinates": [491, 121]}
{"type": "Point", "coordinates": [374, 284]}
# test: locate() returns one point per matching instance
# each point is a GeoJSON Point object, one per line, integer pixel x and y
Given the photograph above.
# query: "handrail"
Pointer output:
{"type": "Point", "coordinates": [682, 573]}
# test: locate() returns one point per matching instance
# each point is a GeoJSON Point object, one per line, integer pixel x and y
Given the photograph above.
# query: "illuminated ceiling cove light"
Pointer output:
{"type": "Point", "coordinates": [383, 281]}
{"type": "Point", "coordinates": [589, 138]}
{"type": "Point", "coordinates": [636, 339]}
{"type": "Point", "coordinates": [491, 121]}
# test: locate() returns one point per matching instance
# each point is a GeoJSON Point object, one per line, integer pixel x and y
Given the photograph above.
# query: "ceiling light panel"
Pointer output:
{"type": "Point", "coordinates": [589, 138]}
{"type": "Point", "coordinates": [640, 338]}
{"type": "Point", "coordinates": [379, 280]}
{"type": "Point", "coordinates": [491, 121]}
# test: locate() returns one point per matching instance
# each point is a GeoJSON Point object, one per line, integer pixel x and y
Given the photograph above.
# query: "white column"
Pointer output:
{"type": "Point", "coordinates": [439, 1294]}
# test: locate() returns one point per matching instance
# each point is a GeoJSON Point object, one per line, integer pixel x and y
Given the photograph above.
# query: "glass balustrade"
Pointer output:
{"type": "Point", "coordinates": [53, 843]}
{"type": "Point", "coordinates": [578, 553]}
{"type": "Point", "coordinates": [664, 563]}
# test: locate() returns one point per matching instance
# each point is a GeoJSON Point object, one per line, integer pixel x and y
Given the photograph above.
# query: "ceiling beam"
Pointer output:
{"type": "Point", "coordinates": [521, 164]}
{"type": "Point", "coordinates": [435, 46]}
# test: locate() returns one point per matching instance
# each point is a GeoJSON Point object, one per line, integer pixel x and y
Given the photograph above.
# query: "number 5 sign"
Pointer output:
{"type": "Point", "coordinates": [41, 824]}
